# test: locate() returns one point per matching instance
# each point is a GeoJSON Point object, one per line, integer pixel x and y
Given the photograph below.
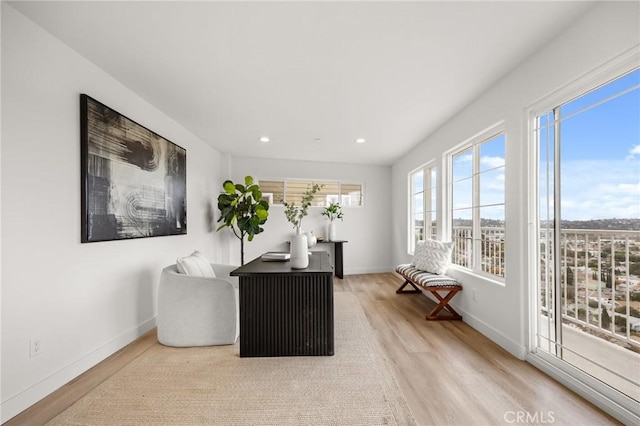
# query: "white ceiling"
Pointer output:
{"type": "Point", "coordinates": [230, 72]}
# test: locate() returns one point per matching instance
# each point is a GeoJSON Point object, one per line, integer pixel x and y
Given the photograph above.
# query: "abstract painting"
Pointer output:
{"type": "Point", "coordinates": [134, 182]}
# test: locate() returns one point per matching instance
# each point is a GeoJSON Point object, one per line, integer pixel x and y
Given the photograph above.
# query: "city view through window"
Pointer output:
{"type": "Point", "coordinates": [478, 206]}
{"type": "Point", "coordinates": [589, 242]}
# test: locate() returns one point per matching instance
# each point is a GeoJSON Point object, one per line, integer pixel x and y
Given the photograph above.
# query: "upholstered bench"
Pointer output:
{"type": "Point", "coordinates": [423, 281]}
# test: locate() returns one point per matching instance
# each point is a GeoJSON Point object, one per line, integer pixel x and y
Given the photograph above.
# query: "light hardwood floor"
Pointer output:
{"type": "Point", "coordinates": [449, 373]}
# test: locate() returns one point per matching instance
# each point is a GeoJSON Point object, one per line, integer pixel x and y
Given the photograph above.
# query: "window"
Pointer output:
{"type": "Point", "coordinates": [291, 191]}
{"type": "Point", "coordinates": [423, 222]}
{"type": "Point", "coordinates": [350, 194]}
{"type": "Point", "coordinates": [477, 192]}
{"type": "Point", "coordinates": [587, 268]}
{"type": "Point", "coordinates": [272, 191]}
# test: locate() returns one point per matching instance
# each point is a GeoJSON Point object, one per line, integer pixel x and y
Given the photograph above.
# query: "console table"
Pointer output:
{"type": "Point", "coordinates": [338, 255]}
{"type": "Point", "coordinates": [285, 311]}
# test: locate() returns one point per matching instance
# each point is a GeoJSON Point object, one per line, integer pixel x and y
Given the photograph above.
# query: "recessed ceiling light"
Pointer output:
{"type": "Point", "coordinates": [264, 139]}
{"type": "Point", "coordinates": [360, 140]}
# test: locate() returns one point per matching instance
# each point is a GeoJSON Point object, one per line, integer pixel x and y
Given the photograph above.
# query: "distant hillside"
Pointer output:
{"type": "Point", "coordinates": [603, 224]}
{"type": "Point", "coordinates": [613, 224]}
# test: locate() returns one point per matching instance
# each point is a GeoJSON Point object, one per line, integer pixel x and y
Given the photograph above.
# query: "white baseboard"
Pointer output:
{"type": "Point", "coordinates": [511, 346]}
{"type": "Point", "coordinates": [368, 270]}
{"type": "Point", "coordinates": [25, 399]}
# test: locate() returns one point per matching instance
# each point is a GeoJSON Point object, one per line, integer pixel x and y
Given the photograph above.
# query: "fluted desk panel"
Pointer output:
{"type": "Point", "coordinates": [284, 311]}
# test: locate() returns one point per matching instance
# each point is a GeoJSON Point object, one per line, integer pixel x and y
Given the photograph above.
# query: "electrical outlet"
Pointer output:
{"type": "Point", "coordinates": [35, 347]}
{"type": "Point", "coordinates": [473, 294]}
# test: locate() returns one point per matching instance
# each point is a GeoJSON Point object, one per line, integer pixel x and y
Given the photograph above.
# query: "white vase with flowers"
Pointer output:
{"type": "Point", "coordinates": [332, 212]}
{"type": "Point", "coordinates": [299, 244]}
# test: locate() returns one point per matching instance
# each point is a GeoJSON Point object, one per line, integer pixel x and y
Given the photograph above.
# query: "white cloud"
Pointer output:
{"type": "Point", "coordinates": [600, 189]}
{"type": "Point", "coordinates": [492, 161]}
{"type": "Point", "coordinates": [463, 158]}
{"type": "Point", "coordinates": [497, 183]}
{"type": "Point", "coordinates": [633, 152]}
{"type": "Point", "coordinates": [629, 188]}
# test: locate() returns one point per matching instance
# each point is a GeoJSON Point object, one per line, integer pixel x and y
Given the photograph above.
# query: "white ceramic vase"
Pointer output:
{"type": "Point", "coordinates": [332, 231]}
{"type": "Point", "coordinates": [311, 239]}
{"type": "Point", "coordinates": [299, 251]}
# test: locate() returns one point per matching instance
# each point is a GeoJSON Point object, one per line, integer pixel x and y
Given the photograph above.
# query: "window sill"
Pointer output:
{"type": "Point", "coordinates": [461, 271]}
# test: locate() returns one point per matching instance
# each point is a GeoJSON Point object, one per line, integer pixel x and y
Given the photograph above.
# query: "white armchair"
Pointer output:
{"type": "Point", "coordinates": [198, 311]}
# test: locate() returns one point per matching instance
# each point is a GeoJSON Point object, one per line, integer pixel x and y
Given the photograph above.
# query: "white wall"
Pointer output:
{"type": "Point", "coordinates": [500, 311]}
{"type": "Point", "coordinates": [365, 228]}
{"type": "Point", "coordinates": [83, 301]}
{"type": "Point", "coordinates": [1, 398]}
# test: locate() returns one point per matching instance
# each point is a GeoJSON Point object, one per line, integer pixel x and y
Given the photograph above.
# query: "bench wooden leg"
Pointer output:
{"type": "Point", "coordinates": [415, 289]}
{"type": "Point", "coordinates": [444, 304]}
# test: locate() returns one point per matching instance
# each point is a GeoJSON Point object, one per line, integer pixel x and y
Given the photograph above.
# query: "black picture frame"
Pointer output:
{"type": "Point", "coordinates": [133, 181]}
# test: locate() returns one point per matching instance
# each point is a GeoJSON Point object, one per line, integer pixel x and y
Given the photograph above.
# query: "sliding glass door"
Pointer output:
{"type": "Point", "coordinates": [588, 235]}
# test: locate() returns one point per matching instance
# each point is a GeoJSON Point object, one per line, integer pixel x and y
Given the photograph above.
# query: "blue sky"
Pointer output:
{"type": "Point", "coordinates": [492, 180]}
{"type": "Point", "coordinates": [600, 158]}
{"type": "Point", "coordinates": [600, 152]}
{"type": "Point", "coordinates": [607, 131]}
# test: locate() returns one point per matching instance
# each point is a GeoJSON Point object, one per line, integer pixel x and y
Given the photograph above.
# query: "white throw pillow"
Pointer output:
{"type": "Point", "coordinates": [432, 256]}
{"type": "Point", "coordinates": [195, 265]}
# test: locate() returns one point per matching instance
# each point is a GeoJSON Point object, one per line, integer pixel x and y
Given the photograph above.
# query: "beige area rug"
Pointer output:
{"type": "Point", "coordinates": [213, 385]}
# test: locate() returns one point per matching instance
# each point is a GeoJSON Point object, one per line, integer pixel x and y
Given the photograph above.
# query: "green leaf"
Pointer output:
{"type": "Point", "coordinates": [225, 211]}
{"type": "Point", "coordinates": [262, 213]}
{"type": "Point", "coordinates": [248, 180]}
{"type": "Point", "coordinates": [223, 201]}
{"type": "Point", "coordinates": [229, 187]}
{"type": "Point", "coordinates": [243, 223]}
{"type": "Point", "coordinates": [257, 194]}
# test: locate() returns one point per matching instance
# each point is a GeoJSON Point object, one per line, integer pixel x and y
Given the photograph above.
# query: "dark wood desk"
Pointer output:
{"type": "Point", "coordinates": [338, 255]}
{"type": "Point", "coordinates": [284, 311]}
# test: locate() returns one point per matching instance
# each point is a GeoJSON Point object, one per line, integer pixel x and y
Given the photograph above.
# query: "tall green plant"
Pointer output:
{"type": "Point", "coordinates": [243, 210]}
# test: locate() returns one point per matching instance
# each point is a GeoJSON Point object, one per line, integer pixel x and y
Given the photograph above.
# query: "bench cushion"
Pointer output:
{"type": "Point", "coordinates": [424, 278]}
